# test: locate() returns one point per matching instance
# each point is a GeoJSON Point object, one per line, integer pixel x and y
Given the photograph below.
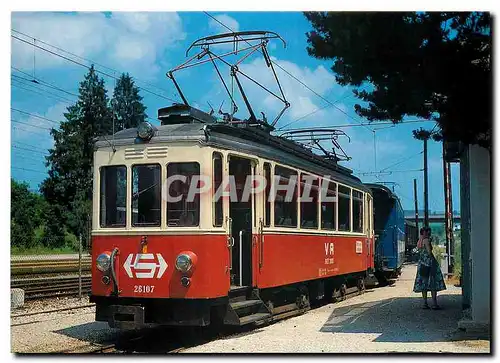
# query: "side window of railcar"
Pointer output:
{"type": "Point", "coordinates": [308, 201]}
{"type": "Point", "coordinates": [344, 197]}
{"type": "Point", "coordinates": [146, 195]}
{"type": "Point", "coordinates": [113, 209]}
{"type": "Point", "coordinates": [329, 205]}
{"type": "Point", "coordinates": [217, 180]}
{"type": "Point", "coordinates": [285, 201]}
{"type": "Point", "coordinates": [267, 175]}
{"type": "Point", "coordinates": [183, 209]}
{"type": "Point", "coordinates": [357, 211]}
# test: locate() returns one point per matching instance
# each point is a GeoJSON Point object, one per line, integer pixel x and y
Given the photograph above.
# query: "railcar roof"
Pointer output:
{"type": "Point", "coordinates": [242, 138]}
{"type": "Point", "coordinates": [383, 188]}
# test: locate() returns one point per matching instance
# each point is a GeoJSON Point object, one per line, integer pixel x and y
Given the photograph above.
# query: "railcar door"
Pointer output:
{"type": "Point", "coordinates": [369, 232]}
{"type": "Point", "coordinates": [241, 214]}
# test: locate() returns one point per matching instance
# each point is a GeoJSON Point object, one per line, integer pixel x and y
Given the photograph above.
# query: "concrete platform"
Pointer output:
{"type": "Point", "coordinates": [383, 320]}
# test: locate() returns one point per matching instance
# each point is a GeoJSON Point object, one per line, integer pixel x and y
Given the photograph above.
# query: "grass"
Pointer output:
{"type": "Point", "coordinates": [41, 250]}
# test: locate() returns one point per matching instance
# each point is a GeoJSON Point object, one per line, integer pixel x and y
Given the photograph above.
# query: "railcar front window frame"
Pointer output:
{"type": "Point", "coordinates": [155, 186]}
{"type": "Point", "coordinates": [103, 207]}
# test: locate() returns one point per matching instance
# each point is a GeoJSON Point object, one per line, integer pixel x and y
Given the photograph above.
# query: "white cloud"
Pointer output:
{"type": "Point", "coordinates": [224, 19]}
{"type": "Point", "coordinates": [217, 28]}
{"type": "Point", "coordinates": [38, 135]}
{"type": "Point", "coordinates": [128, 41]}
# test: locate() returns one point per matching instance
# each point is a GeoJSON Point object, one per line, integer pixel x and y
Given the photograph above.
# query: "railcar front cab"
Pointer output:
{"type": "Point", "coordinates": [173, 262]}
{"type": "Point", "coordinates": [157, 260]}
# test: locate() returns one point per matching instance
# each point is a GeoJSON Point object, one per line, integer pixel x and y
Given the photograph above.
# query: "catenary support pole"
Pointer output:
{"type": "Point", "coordinates": [416, 203]}
{"type": "Point", "coordinates": [450, 209]}
{"type": "Point", "coordinates": [446, 175]}
{"type": "Point", "coordinates": [426, 187]}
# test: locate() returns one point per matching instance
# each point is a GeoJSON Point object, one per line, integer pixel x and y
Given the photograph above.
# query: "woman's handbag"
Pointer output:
{"type": "Point", "coordinates": [425, 270]}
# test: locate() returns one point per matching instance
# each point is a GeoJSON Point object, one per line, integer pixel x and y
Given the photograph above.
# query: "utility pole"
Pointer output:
{"type": "Point", "coordinates": [80, 266]}
{"type": "Point", "coordinates": [424, 135]}
{"type": "Point", "coordinates": [447, 229]}
{"type": "Point", "coordinates": [426, 186]}
{"type": "Point", "coordinates": [452, 237]}
{"type": "Point", "coordinates": [416, 203]}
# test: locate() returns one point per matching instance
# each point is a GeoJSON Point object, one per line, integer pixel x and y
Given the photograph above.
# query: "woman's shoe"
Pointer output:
{"type": "Point", "coordinates": [425, 306]}
{"type": "Point", "coordinates": [436, 307]}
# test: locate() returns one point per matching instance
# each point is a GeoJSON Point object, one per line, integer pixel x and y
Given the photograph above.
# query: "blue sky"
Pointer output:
{"type": "Point", "coordinates": [147, 45]}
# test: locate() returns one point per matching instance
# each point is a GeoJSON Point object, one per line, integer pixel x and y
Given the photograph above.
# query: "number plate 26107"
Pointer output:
{"type": "Point", "coordinates": [147, 289]}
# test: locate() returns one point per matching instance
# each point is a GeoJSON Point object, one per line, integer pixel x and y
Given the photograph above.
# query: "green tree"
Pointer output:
{"type": "Point", "coordinates": [69, 186]}
{"type": "Point", "coordinates": [127, 106]}
{"type": "Point", "coordinates": [425, 64]}
{"type": "Point", "coordinates": [26, 214]}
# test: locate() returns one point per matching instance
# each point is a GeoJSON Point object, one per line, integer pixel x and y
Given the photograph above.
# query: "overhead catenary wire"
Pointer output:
{"type": "Point", "coordinates": [310, 89]}
{"type": "Point", "coordinates": [33, 146]}
{"type": "Point", "coordinates": [47, 94]}
{"type": "Point", "coordinates": [293, 76]}
{"type": "Point", "coordinates": [24, 156]}
{"type": "Point", "coordinates": [41, 82]}
{"type": "Point", "coordinates": [358, 125]}
{"type": "Point", "coordinates": [26, 149]}
{"type": "Point", "coordinates": [31, 170]}
{"type": "Point", "coordinates": [402, 161]}
{"type": "Point", "coordinates": [315, 111]}
{"type": "Point", "coordinates": [28, 159]}
{"type": "Point", "coordinates": [24, 130]}
{"type": "Point", "coordinates": [432, 130]}
{"type": "Point", "coordinates": [404, 196]}
{"type": "Point", "coordinates": [86, 59]}
{"type": "Point", "coordinates": [389, 172]}
{"type": "Point", "coordinates": [30, 125]}
{"type": "Point", "coordinates": [70, 102]}
{"type": "Point", "coordinates": [88, 67]}
{"type": "Point", "coordinates": [35, 115]}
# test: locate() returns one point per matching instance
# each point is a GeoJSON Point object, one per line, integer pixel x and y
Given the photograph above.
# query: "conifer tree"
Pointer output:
{"type": "Point", "coordinates": [127, 106]}
{"type": "Point", "coordinates": [434, 65]}
{"type": "Point", "coordinates": [69, 186]}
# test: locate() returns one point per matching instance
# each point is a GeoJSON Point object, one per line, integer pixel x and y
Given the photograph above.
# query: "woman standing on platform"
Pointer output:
{"type": "Point", "coordinates": [429, 276]}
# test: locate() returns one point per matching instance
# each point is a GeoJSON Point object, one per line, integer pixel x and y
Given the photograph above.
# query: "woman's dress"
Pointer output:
{"type": "Point", "coordinates": [433, 281]}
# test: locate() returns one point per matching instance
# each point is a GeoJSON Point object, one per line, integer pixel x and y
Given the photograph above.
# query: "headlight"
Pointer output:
{"type": "Point", "coordinates": [183, 263]}
{"type": "Point", "coordinates": [145, 131]}
{"type": "Point", "coordinates": [103, 262]}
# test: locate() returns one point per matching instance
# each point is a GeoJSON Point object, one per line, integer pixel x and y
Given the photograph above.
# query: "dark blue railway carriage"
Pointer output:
{"type": "Point", "coordinates": [389, 228]}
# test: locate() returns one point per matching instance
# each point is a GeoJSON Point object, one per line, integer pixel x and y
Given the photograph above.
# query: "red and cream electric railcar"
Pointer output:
{"type": "Point", "coordinates": [163, 256]}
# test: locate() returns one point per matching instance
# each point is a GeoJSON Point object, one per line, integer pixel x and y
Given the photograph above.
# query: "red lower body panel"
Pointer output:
{"type": "Point", "coordinates": [149, 271]}
{"type": "Point", "coordinates": [294, 258]}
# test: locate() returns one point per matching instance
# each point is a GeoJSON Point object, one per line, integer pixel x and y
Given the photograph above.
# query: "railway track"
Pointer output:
{"type": "Point", "coordinates": [37, 267]}
{"type": "Point", "coordinates": [172, 340]}
{"type": "Point", "coordinates": [42, 287]}
{"type": "Point", "coordinates": [50, 277]}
